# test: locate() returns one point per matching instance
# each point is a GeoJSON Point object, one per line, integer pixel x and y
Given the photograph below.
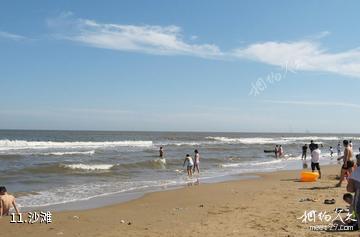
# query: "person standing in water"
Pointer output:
{"type": "Point", "coordinates": [347, 162]}
{"type": "Point", "coordinates": [281, 151]}
{"type": "Point", "coordinates": [338, 149]}
{"type": "Point", "coordinates": [161, 152]}
{"type": "Point", "coordinates": [197, 162]}
{"type": "Point", "coordinates": [312, 146]}
{"type": "Point", "coordinates": [189, 164]}
{"type": "Point", "coordinates": [331, 152]}
{"type": "Point", "coordinates": [276, 151]}
{"type": "Point", "coordinates": [304, 152]}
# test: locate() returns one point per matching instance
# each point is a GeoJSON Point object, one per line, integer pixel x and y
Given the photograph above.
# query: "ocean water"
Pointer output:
{"type": "Point", "coordinates": [46, 168]}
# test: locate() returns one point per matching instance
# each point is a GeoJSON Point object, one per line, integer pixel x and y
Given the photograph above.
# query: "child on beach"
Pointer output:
{"type": "Point", "coordinates": [331, 152]}
{"type": "Point", "coordinates": [348, 198]}
{"type": "Point", "coordinates": [189, 164]}
{"type": "Point", "coordinates": [196, 162]}
{"type": "Point", "coordinates": [350, 219]}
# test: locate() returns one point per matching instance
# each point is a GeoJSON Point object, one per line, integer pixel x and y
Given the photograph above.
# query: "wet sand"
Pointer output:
{"type": "Point", "coordinates": [267, 206]}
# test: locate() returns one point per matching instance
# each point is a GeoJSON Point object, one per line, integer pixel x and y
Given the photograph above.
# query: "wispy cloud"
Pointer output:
{"type": "Point", "coordinates": [308, 55]}
{"type": "Point", "coordinates": [314, 103]}
{"type": "Point", "coordinates": [151, 39]}
{"type": "Point", "coordinates": [11, 36]}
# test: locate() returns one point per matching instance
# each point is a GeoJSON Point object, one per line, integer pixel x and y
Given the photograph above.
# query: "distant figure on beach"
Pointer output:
{"type": "Point", "coordinates": [196, 162]}
{"type": "Point", "coordinates": [350, 145]}
{"type": "Point", "coordinates": [6, 201]}
{"type": "Point", "coordinates": [347, 162]}
{"type": "Point", "coordinates": [281, 151]}
{"type": "Point", "coordinates": [276, 151]}
{"type": "Point", "coordinates": [312, 146]}
{"type": "Point", "coordinates": [331, 152]}
{"type": "Point", "coordinates": [338, 149]}
{"type": "Point", "coordinates": [315, 157]}
{"type": "Point", "coordinates": [161, 152]}
{"type": "Point", "coordinates": [304, 152]}
{"type": "Point", "coordinates": [189, 164]}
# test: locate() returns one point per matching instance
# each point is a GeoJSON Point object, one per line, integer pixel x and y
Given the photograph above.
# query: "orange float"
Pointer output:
{"type": "Point", "coordinates": [307, 176]}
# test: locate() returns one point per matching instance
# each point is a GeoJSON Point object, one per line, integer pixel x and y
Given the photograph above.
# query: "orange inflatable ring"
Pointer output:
{"type": "Point", "coordinates": [306, 176]}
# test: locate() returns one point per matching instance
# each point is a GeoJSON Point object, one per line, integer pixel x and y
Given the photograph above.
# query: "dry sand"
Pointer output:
{"type": "Point", "coordinates": [266, 206]}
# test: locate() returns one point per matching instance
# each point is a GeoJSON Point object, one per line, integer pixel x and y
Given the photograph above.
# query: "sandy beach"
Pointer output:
{"type": "Point", "coordinates": [266, 206]}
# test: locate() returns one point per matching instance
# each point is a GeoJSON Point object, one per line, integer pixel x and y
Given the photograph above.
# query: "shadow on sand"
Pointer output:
{"type": "Point", "coordinates": [318, 188]}
{"type": "Point", "coordinates": [294, 180]}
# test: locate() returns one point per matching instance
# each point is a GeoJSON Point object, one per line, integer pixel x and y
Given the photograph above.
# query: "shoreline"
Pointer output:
{"type": "Point", "coordinates": [251, 207]}
{"type": "Point", "coordinates": [121, 197]}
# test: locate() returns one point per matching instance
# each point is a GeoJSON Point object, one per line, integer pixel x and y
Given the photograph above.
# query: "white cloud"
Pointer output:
{"type": "Point", "coordinates": [314, 103]}
{"type": "Point", "coordinates": [305, 55]}
{"type": "Point", "coordinates": [151, 39]}
{"type": "Point", "coordinates": [11, 36]}
{"type": "Point", "coordinates": [302, 55]}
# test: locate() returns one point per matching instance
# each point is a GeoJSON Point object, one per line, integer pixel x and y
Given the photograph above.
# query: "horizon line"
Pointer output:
{"type": "Point", "coordinates": [172, 131]}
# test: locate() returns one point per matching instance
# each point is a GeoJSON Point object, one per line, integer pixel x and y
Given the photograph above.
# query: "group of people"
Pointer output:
{"type": "Point", "coordinates": [279, 151]}
{"type": "Point", "coordinates": [315, 152]}
{"type": "Point", "coordinates": [349, 170]}
{"type": "Point", "coordinates": [192, 164]}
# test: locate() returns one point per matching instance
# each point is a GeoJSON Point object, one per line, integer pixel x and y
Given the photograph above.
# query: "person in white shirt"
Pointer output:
{"type": "Point", "coordinates": [315, 157]}
{"type": "Point", "coordinates": [331, 152]}
{"type": "Point", "coordinates": [189, 164]}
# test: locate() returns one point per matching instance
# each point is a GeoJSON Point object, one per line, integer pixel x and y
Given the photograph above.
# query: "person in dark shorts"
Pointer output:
{"type": "Point", "coordinates": [315, 157]}
{"type": "Point", "coordinates": [347, 162]}
{"type": "Point", "coordinates": [304, 151]}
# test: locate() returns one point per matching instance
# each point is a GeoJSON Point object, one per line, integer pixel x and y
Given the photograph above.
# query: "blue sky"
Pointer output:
{"type": "Point", "coordinates": [270, 66]}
